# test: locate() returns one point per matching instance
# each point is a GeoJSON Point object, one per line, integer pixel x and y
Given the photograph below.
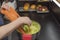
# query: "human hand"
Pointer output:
{"type": "Point", "coordinates": [25, 20]}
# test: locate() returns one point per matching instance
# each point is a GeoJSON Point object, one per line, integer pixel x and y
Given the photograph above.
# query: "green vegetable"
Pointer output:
{"type": "Point", "coordinates": [26, 28]}
{"type": "Point", "coordinates": [34, 28]}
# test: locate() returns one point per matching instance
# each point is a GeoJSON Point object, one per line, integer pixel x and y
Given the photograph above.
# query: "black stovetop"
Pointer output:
{"type": "Point", "coordinates": [50, 29]}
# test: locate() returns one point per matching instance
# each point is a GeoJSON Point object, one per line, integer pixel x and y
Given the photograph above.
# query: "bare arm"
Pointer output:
{"type": "Point", "coordinates": [6, 29]}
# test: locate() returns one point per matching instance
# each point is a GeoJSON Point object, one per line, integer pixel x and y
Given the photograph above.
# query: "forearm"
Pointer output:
{"type": "Point", "coordinates": [6, 29]}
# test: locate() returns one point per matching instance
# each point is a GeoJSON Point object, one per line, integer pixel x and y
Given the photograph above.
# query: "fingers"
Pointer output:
{"type": "Point", "coordinates": [28, 21]}
{"type": "Point", "coordinates": [25, 20]}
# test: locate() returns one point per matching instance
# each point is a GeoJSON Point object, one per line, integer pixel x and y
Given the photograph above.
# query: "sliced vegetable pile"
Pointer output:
{"type": "Point", "coordinates": [34, 28]}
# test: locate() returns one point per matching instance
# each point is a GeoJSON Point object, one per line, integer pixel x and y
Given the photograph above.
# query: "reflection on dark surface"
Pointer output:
{"type": "Point", "coordinates": [49, 29]}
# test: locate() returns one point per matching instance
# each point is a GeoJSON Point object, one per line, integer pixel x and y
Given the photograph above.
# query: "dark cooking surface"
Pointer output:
{"type": "Point", "coordinates": [50, 29]}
